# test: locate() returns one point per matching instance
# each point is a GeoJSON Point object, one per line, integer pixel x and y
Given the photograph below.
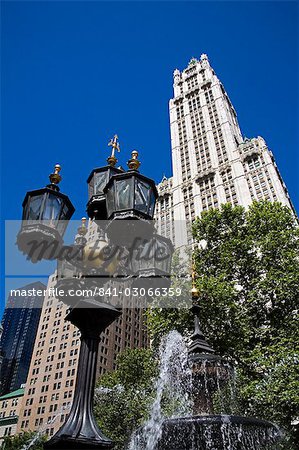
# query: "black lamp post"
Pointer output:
{"type": "Point", "coordinates": [80, 431]}
{"type": "Point", "coordinates": [46, 213]}
{"type": "Point", "coordinates": [115, 195]}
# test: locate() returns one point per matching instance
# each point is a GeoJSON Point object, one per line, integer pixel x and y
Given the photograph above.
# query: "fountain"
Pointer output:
{"type": "Point", "coordinates": [194, 425]}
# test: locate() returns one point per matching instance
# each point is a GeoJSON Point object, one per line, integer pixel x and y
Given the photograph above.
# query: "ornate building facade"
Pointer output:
{"type": "Point", "coordinates": [212, 162]}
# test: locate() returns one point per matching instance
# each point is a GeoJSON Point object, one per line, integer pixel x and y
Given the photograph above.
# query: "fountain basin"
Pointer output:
{"type": "Point", "coordinates": [217, 432]}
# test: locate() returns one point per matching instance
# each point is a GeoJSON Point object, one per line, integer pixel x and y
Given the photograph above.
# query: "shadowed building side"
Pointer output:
{"type": "Point", "coordinates": [20, 322]}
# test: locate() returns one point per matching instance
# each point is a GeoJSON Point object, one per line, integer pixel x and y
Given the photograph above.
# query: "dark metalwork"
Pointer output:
{"type": "Point", "coordinates": [151, 262]}
{"type": "Point", "coordinates": [97, 180]}
{"type": "Point", "coordinates": [218, 432]}
{"type": "Point", "coordinates": [130, 197]}
{"type": "Point", "coordinates": [113, 194]}
{"type": "Point", "coordinates": [199, 345]}
{"type": "Point", "coordinates": [46, 213]}
{"type": "Point", "coordinates": [80, 431]}
{"type": "Point", "coordinates": [205, 367]}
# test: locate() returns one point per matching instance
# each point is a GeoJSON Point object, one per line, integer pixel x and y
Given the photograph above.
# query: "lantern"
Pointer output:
{"type": "Point", "coordinates": [46, 213]}
{"type": "Point", "coordinates": [69, 283]}
{"type": "Point", "coordinates": [151, 262]}
{"type": "Point", "coordinates": [97, 180]}
{"type": "Point", "coordinates": [130, 195]}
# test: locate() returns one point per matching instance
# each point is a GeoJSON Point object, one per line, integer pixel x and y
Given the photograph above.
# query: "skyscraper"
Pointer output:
{"type": "Point", "coordinates": [20, 322]}
{"type": "Point", "coordinates": [212, 162]}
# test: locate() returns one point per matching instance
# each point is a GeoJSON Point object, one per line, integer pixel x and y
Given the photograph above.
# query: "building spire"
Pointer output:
{"type": "Point", "coordinates": [198, 344]}
{"type": "Point", "coordinates": [192, 61]}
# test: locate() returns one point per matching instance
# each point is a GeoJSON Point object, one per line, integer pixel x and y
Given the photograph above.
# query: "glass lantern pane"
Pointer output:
{"type": "Point", "coordinates": [110, 203]}
{"type": "Point", "coordinates": [65, 269]}
{"type": "Point", "coordinates": [124, 194]}
{"type": "Point", "coordinates": [34, 207]}
{"type": "Point", "coordinates": [63, 220]}
{"type": "Point", "coordinates": [147, 256]}
{"type": "Point", "coordinates": [162, 255]}
{"type": "Point", "coordinates": [100, 181]}
{"type": "Point", "coordinates": [64, 212]}
{"type": "Point", "coordinates": [141, 196]}
{"type": "Point", "coordinates": [91, 188]}
{"type": "Point", "coordinates": [152, 203]}
{"type": "Point", "coordinates": [142, 257]}
{"type": "Point", "coordinates": [52, 209]}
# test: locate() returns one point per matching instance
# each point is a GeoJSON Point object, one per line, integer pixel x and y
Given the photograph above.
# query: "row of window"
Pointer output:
{"type": "Point", "coordinates": [217, 134]}
{"type": "Point", "coordinates": [14, 402]}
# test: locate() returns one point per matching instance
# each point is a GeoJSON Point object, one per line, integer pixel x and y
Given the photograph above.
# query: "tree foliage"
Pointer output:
{"type": "Point", "coordinates": [248, 275]}
{"type": "Point", "coordinates": [167, 311]}
{"type": "Point", "coordinates": [22, 440]}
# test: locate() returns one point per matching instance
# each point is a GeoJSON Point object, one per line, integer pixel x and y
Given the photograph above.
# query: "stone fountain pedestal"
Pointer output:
{"type": "Point", "coordinates": [205, 430]}
{"type": "Point", "coordinates": [218, 432]}
{"type": "Point", "coordinates": [80, 431]}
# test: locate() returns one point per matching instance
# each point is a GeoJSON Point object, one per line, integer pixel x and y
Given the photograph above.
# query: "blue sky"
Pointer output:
{"type": "Point", "coordinates": [75, 73]}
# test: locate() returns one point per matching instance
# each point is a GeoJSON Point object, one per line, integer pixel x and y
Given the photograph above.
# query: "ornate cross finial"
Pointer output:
{"type": "Point", "coordinates": [115, 146]}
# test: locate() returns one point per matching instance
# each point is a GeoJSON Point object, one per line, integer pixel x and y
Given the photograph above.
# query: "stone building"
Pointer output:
{"type": "Point", "coordinates": [19, 326]}
{"type": "Point", "coordinates": [212, 162]}
{"type": "Point", "coordinates": [10, 407]}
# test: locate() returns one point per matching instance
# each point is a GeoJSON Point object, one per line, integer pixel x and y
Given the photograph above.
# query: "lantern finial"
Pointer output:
{"type": "Point", "coordinates": [194, 290]}
{"type": "Point", "coordinates": [115, 146]}
{"type": "Point", "coordinates": [55, 177]}
{"type": "Point", "coordinates": [133, 163]}
{"type": "Point", "coordinates": [82, 230]}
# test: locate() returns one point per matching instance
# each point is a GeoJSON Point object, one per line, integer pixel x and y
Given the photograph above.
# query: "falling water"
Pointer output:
{"type": "Point", "coordinates": [99, 391]}
{"type": "Point", "coordinates": [175, 428]}
{"type": "Point", "coordinates": [174, 384]}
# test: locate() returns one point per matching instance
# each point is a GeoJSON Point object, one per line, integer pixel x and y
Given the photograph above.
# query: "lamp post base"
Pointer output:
{"type": "Point", "coordinates": [69, 443]}
{"type": "Point", "coordinates": [80, 431]}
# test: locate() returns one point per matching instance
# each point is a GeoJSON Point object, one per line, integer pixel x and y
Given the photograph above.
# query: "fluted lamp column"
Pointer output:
{"type": "Point", "coordinates": [80, 431]}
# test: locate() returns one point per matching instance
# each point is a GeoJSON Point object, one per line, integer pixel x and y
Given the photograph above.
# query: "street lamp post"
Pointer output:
{"type": "Point", "coordinates": [114, 195]}
{"type": "Point", "coordinates": [80, 431]}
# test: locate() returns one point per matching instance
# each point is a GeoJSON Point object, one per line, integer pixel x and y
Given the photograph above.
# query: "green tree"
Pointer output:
{"type": "Point", "coordinates": [22, 440]}
{"type": "Point", "coordinates": [248, 277]}
{"type": "Point", "coordinates": [124, 396]}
